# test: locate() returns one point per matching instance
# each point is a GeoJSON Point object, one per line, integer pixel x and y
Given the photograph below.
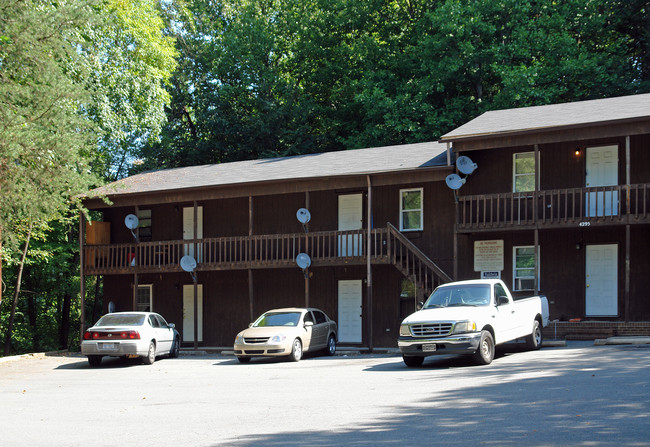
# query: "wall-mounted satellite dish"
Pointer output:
{"type": "Point", "coordinates": [303, 260]}
{"type": "Point", "coordinates": [454, 181]}
{"type": "Point", "coordinates": [465, 165]}
{"type": "Point", "coordinates": [188, 264]}
{"type": "Point", "coordinates": [303, 215]}
{"type": "Point", "coordinates": [131, 221]}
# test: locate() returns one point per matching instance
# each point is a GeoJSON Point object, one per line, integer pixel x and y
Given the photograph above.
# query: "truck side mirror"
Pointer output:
{"type": "Point", "coordinates": [419, 305]}
{"type": "Point", "coordinates": [502, 300]}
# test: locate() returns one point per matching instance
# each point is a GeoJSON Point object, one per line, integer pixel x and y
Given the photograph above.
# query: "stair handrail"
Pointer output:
{"type": "Point", "coordinates": [417, 252]}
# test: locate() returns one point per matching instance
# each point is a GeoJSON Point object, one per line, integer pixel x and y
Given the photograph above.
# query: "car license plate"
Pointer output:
{"type": "Point", "coordinates": [106, 346]}
{"type": "Point", "coordinates": [431, 347]}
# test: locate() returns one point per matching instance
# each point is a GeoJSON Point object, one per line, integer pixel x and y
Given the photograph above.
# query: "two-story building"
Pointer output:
{"type": "Point", "coordinates": [558, 204]}
{"type": "Point", "coordinates": [561, 194]}
{"type": "Point", "coordinates": [374, 213]}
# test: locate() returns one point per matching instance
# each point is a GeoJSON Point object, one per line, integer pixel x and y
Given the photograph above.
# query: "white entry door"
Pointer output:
{"type": "Point", "coordinates": [188, 230]}
{"type": "Point", "coordinates": [349, 321]}
{"type": "Point", "coordinates": [602, 170]}
{"type": "Point", "coordinates": [601, 280]}
{"type": "Point", "coordinates": [350, 218]}
{"type": "Point", "coordinates": [188, 312]}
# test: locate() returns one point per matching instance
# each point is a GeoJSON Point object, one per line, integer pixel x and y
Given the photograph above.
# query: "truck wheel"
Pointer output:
{"type": "Point", "coordinates": [412, 361]}
{"type": "Point", "coordinates": [534, 340]}
{"type": "Point", "coordinates": [485, 352]}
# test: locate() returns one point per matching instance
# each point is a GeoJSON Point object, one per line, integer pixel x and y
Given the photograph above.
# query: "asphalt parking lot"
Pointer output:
{"type": "Point", "coordinates": [579, 394]}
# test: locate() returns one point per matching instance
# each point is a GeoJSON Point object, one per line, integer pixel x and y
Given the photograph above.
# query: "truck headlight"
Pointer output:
{"type": "Point", "coordinates": [404, 330]}
{"type": "Point", "coordinates": [464, 326]}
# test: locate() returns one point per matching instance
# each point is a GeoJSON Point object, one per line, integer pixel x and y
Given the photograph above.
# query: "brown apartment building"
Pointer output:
{"type": "Point", "coordinates": [558, 204]}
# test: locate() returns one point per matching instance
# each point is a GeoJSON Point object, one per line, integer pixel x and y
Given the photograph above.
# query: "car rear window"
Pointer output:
{"type": "Point", "coordinates": [278, 319]}
{"type": "Point", "coordinates": [121, 320]}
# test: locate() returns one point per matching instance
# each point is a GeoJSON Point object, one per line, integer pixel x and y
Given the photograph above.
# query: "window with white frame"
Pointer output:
{"type": "Point", "coordinates": [144, 298]}
{"type": "Point", "coordinates": [523, 262]}
{"type": "Point", "coordinates": [410, 205]}
{"type": "Point", "coordinates": [523, 172]}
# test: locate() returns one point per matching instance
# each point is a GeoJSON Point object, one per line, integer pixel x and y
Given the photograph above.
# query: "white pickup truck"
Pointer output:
{"type": "Point", "coordinates": [471, 317]}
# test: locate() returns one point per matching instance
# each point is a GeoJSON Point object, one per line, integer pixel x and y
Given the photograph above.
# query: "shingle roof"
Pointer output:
{"type": "Point", "coordinates": [328, 164]}
{"type": "Point", "coordinates": [553, 116]}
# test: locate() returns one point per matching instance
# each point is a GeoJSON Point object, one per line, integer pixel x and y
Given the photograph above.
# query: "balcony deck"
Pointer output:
{"type": "Point", "coordinates": [241, 252]}
{"type": "Point", "coordinates": [559, 208]}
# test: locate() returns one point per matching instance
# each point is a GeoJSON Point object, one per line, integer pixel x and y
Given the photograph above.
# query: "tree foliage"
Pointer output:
{"type": "Point", "coordinates": [82, 83]}
{"type": "Point", "coordinates": [277, 77]}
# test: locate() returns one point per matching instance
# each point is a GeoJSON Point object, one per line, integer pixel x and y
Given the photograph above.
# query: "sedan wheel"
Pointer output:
{"type": "Point", "coordinates": [176, 349]}
{"type": "Point", "coordinates": [331, 345]}
{"type": "Point", "coordinates": [296, 350]}
{"type": "Point", "coordinates": [151, 355]}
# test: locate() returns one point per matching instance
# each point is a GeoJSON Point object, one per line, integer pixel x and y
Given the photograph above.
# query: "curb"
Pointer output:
{"type": "Point", "coordinates": [622, 341]}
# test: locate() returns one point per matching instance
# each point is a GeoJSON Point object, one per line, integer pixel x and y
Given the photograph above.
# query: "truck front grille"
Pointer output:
{"type": "Point", "coordinates": [431, 329]}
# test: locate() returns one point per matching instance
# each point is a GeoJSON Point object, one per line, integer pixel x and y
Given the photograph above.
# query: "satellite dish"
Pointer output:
{"type": "Point", "coordinates": [454, 181]}
{"type": "Point", "coordinates": [188, 263]}
{"type": "Point", "coordinates": [465, 165]}
{"type": "Point", "coordinates": [303, 215]}
{"type": "Point", "coordinates": [303, 260]}
{"type": "Point", "coordinates": [131, 221]}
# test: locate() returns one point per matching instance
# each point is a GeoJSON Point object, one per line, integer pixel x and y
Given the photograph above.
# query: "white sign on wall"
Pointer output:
{"type": "Point", "coordinates": [488, 256]}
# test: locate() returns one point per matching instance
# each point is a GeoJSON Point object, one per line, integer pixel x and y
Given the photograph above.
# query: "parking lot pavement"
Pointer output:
{"type": "Point", "coordinates": [579, 394]}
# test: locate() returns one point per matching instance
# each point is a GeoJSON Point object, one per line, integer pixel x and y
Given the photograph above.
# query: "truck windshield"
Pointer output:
{"type": "Point", "coordinates": [465, 295]}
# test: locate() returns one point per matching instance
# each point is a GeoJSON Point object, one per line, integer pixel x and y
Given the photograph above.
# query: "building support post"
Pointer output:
{"type": "Point", "coordinates": [194, 279]}
{"type": "Point", "coordinates": [306, 227]}
{"type": "Point", "coordinates": [250, 256]}
{"type": "Point", "coordinates": [536, 261]}
{"type": "Point", "coordinates": [82, 274]}
{"type": "Point", "coordinates": [369, 266]}
{"type": "Point", "coordinates": [627, 228]}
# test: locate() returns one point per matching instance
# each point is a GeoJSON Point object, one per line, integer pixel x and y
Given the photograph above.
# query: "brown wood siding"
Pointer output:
{"type": "Point", "coordinates": [436, 240]}
{"type": "Point", "coordinates": [640, 159]}
{"type": "Point", "coordinates": [562, 255]}
{"type": "Point", "coordinates": [228, 217]}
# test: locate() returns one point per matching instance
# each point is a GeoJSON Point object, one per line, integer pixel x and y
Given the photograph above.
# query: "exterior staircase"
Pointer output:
{"type": "Point", "coordinates": [414, 264]}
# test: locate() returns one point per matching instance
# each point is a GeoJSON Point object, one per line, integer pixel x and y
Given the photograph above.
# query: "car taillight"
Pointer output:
{"type": "Point", "coordinates": [124, 335]}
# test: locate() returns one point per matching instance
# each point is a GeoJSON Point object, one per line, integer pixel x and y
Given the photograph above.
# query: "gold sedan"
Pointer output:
{"type": "Point", "coordinates": [287, 332]}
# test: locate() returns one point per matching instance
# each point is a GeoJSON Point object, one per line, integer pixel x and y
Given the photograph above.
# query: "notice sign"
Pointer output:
{"type": "Point", "coordinates": [488, 256]}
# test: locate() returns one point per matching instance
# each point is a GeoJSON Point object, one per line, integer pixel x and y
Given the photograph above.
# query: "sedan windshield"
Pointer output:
{"type": "Point", "coordinates": [278, 319]}
{"type": "Point", "coordinates": [466, 295]}
{"type": "Point", "coordinates": [121, 320]}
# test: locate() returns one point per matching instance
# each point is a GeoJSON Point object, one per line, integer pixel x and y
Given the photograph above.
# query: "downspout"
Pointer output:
{"type": "Point", "coordinates": [369, 266]}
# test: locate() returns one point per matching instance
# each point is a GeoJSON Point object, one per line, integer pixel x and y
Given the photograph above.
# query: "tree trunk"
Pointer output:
{"type": "Point", "coordinates": [32, 311]}
{"type": "Point", "coordinates": [10, 326]}
{"type": "Point", "coordinates": [64, 330]}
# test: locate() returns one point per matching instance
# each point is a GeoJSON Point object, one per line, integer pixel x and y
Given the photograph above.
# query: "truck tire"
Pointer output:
{"type": "Point", "coordinates": [534, 340]}
{"type": "Point", "coordinates": [412, 361]}
{"type": "Point", "coordinates": [485, 351]}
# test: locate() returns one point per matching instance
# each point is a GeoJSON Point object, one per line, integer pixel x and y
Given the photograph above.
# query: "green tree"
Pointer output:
{"type": "Point", "coordinates": [128, 61]}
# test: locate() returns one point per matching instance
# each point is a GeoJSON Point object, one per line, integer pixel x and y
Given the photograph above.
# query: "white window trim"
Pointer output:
{"type": "Point", "coordinates": [146, 286]}
{"type": "Point", "coordinates": [514, 170]}
{"type": "Point", "coordinates": [514, 267]}
{"type": "Point", "coordinates": [402, 210]}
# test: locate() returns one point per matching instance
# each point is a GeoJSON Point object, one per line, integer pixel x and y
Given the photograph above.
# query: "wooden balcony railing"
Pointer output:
{"type": "Point", "coordinates": [557, 208]}
{"type": "Point", "coordinates": [239, 252]}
